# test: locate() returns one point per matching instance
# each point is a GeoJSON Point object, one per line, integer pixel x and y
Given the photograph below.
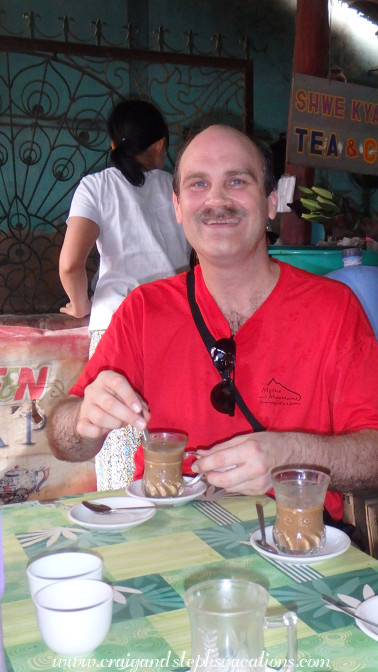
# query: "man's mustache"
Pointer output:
{"type": "Point", "coordinates": [220, 213]}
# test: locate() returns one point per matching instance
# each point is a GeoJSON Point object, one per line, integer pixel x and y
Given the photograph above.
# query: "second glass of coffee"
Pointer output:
{"type": "Point", "coordinates": [299, 528]}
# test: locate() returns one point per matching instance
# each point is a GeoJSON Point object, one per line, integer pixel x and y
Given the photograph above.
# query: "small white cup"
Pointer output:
{"type": "Point", "coordinates": [61, 566]}
{"type": "Point", "coordinates": [74, 616]}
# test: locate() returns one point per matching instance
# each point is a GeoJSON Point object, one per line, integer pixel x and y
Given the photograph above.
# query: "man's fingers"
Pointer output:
{"type": "Point", "coordinates": [110, 403]}
{"type": "Point", "coordinates": [238, 465]}
{"type": "Point", "coordinates": [225, 455]}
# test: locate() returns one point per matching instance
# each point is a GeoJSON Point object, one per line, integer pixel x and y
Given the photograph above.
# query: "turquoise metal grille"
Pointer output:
{"type": "Point", "coordinates": [54, 102]}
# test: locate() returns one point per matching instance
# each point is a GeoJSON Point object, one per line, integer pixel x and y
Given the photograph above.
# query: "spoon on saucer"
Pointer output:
{"type": "Point", "coordinates": [346, 610]}
{"type": "Point", "coordinates": [263, 542]}
{"type": "Point", "coordinates": [104, 508]}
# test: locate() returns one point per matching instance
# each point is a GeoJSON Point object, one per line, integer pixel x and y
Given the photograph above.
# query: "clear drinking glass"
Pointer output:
{"type": "Point", "coordinates": [299, 528]}
{"type": "Point", "coordinates": [227, 619]}
{"type": "Point", "coordinates": [163, 456]}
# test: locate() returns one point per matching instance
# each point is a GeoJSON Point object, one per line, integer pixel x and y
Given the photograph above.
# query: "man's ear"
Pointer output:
{"type": "Point", "coordinates": [177, 208]}
{"type": "Point", "coordinates": [272, 203]}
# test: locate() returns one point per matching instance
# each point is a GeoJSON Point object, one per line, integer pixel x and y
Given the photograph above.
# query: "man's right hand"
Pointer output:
{"type": "Point", "coordinates": [110, 403]}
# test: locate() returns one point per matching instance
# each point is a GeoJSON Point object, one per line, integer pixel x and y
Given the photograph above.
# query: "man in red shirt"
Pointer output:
{"type": "Point", "coordinates": [298, 347]}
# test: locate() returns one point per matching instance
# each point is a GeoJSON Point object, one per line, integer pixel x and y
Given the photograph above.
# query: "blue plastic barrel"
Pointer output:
{"type": "Point", "coordinates": [363, 280]}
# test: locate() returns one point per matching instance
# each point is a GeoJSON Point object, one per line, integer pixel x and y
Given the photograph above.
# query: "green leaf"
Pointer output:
{"type": "Point", "coordinates": [323, 192]}
{"type": "Point", "coordinates": [309, 203]}
{"type": "Point", "coordinates": [311, 217]}
{"type": "Point", "coordinates": [306, 190]}
{"type": "Point", "coordinates": [318, 217]}
{"type": "Point", "coordinates": [326, 201]}
{"type": "Point", "coordinates": [328, 206]}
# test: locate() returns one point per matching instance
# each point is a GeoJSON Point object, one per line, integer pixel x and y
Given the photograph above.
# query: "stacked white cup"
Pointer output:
{"type": "Point", "coordinates": [73, 605]}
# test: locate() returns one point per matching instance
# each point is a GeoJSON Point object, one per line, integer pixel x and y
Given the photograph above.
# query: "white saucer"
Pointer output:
{"type": "Point", "coordinates": [337, 542]}
{"type": "Point", "coordinates": [111, 521]}
{"type": "Point", "coordinates": [368, 609]}
{"type": "Point", "coordinates": [190, 492]}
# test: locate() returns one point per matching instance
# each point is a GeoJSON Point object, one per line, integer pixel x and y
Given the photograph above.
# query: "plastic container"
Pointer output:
{"type": "Point", "coordinates": [319, 260]}
{"type": "Point", "coordinates": [363, 280]}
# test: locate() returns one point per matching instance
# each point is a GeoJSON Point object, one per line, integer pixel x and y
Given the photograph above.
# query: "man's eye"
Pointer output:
{"type": "Point", "coordinates": [237, 180]}
{"type": "Point", "coordinates": [199, 183]}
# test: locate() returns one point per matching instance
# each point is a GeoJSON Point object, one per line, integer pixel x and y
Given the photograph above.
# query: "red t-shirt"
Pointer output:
{"type": "Point", "coordinates": [306, 360]}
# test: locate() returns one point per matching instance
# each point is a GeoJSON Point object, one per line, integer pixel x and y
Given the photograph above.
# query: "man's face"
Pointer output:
{"type": "Point", "coordinates": [222, 202]}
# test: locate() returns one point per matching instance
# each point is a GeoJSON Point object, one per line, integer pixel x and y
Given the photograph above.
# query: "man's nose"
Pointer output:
{"type": "Point", "coordinates": [217, 195]}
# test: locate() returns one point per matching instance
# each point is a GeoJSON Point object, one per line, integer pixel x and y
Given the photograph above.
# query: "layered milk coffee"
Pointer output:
{"type": "Point", "coordinates": [299, 526]}
{"type": "Point", "coordinates": [163, 469]}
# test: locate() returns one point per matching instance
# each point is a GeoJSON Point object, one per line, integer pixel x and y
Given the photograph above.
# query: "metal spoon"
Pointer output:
{"type": "Point", "coordinates": [347, 611]}
{"type": "Point", "coordinates": [104, 508]}
{"type": "Point", "coordinates": [145, 432]}
{"type": "Point", "coordinates": [263, 542]}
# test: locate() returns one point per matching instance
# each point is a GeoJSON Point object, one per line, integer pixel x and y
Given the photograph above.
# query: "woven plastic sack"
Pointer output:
{"type": "Point", "coordinates": [37, 368]}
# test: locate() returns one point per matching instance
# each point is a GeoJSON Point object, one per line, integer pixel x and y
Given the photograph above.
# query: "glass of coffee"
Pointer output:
{"type": "Point", "coordinates": [163, 456]}
{"type": "Point", "coordinates": [299, 528]}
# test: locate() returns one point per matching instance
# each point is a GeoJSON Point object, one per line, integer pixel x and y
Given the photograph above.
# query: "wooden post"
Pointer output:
{"type": "Point", "coordinates": [311, 53]}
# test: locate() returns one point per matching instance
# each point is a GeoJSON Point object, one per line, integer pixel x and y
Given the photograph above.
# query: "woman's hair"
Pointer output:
{"type": "Point", "coordinates": [133, 126]}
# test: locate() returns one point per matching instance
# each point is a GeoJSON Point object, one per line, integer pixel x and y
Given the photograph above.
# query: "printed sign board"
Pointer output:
{"type": "Point", "coordinates": [37, 368]}
{"type": "Point", "coordinates": [333, 125]}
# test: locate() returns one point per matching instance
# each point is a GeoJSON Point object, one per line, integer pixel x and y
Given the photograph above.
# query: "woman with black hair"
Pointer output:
{"type": "Point", "coordinates": [127, 211]}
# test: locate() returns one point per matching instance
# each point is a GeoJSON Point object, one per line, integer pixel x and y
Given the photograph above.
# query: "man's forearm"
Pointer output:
{"type": "Point", "coordinates": [352, 459]}
{"type": "Point", "coordinates": [64, 441]}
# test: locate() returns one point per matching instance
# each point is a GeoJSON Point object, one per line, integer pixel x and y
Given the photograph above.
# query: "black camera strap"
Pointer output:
{"type": "Point", "coordinates": [210, 342]}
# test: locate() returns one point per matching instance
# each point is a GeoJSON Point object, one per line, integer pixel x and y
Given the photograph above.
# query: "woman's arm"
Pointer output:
{"type": "Point", "coordinates": [80, 237]}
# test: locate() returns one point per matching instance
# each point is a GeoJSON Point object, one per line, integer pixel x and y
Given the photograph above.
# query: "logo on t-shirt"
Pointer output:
{"type": "Point", "coordinates": [276, 393]}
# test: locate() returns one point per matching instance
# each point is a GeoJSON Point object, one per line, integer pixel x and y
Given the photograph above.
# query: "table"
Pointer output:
{"type": "Point", "coordinates": [151, 565]}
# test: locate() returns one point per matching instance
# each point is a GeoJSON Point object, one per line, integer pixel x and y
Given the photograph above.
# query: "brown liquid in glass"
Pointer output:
{"type": "Point", "coordinates": [299, 529]}
{"type": "Point", "coordinates": [163, 470]}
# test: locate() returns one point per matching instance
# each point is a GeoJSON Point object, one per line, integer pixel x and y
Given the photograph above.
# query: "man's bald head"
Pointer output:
{"type": "Point", "coordinates": [266, 157]}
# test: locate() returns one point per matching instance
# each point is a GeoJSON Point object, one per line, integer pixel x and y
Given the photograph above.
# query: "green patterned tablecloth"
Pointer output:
{"type": "Point", "coordinates": [150, 567]}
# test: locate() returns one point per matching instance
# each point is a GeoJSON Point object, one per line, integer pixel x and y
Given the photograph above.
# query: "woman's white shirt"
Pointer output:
{"type": "Point", "coordinates": [139, 239]}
